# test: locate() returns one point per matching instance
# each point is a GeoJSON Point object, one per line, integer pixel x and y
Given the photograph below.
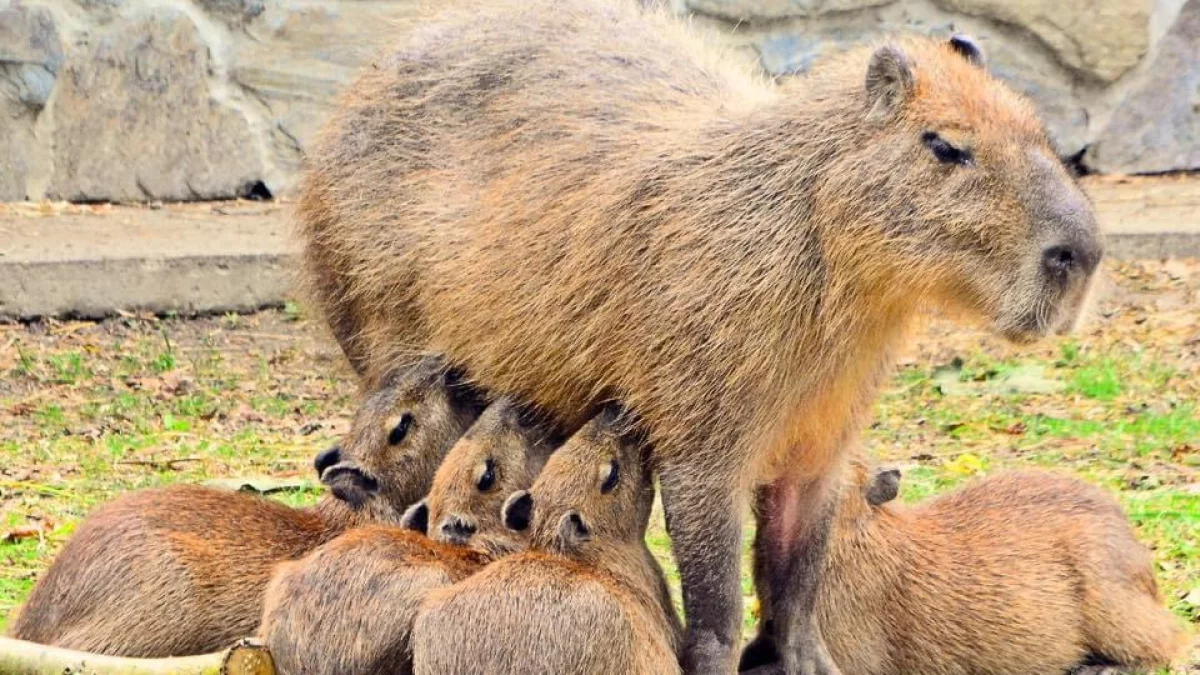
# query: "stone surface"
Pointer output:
{"type": "Point", "coordinates": [1101, 38]}
{"type": "Point", "coordinates": [1157, 127]}
{"type": "Point", "coordinates": [30, 57]}
{"type": "Point", "coordinates": [766, 10]}
{"type": "Point", "coordinates": [137, 119]}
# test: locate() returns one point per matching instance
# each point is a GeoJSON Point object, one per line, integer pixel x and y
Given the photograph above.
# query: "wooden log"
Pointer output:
{"type": "Point", "coordinates": [19, 657]}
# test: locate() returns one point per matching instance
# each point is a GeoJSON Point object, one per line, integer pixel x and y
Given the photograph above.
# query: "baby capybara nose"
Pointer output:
{"type": "Point", "coordinates": [457, 530]}
{"type": "Point", "coordinates": [327, 458]}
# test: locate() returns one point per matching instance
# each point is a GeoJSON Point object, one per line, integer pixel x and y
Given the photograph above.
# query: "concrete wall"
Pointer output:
{"type": "Point", "coordinates": [199, 99]}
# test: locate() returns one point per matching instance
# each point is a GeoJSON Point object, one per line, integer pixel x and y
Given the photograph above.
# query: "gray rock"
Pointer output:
{"type": "Point", "coordinates": [30, 58]}
{"type": "Point", "coordinates": [1157, 127]}
{"type": "Point", "coordinates": [754, 11]}
{"type": "Point", "coordinates": [1100, 38]}
{"type": "Point", "coordinates": [136, 118]}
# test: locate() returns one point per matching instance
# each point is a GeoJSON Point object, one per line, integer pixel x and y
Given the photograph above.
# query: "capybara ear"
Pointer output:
{"type": "Point", "coordinates": [572, 529]}
{"type": "Point", "coordinates": [518, 511]}
{"type": "Point", "coordinates": [889, 82]}
{"type": "Point", "coordinates": [350, 484]}
{"type": "Point", "coordinates": [969, 49]}
{"type": "Point", "coordinates": [884, 488]}
{"type": "Point", "coordinates": [416, 518]}
{"type": "Point", "coordinates": [326, 459]}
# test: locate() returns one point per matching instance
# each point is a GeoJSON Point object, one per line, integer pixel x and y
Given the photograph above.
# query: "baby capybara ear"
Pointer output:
{"type": "Point", "coordinates": [884, 488]}
{"type": "Point", "coordinates": [890, 82]}
{"type": "Point", "coordinates": [350, 484]}
{"type": "Point", "coordinates": [326, 459]}
{"type": "Point", "coordinates": [416, 518]}
{"type": "Point", "coordinates": [518, 511]}
{"type": "Point", "coordinates": [969, 49]}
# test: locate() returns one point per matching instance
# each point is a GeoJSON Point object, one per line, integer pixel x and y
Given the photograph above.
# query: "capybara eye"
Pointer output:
{"type": "Point", "coordinates": [398, 432]}
{"type": "Point", "coordinates": [944, 151]}
{"type": "Point", "coordinates": [488, 478]}
{"type": "Point", "coordinates": [611, 474]}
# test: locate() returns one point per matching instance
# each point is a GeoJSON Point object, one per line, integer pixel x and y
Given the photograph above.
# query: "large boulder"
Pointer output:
{"type": "Point", "coordinates": [30, 58]}
{"type": "Point", "coordinates": [138, 116]}
{"type": "Point", "coordinates": [1156, 127]}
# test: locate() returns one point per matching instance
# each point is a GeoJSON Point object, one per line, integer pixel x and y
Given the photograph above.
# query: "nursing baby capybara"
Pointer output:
{"type": "Point", "coordinates": [347, 608]}
{"type": "Point", "coordinates": [588, 598]}
{"type": "Point", "coordinates": [574, 200]}
{"type": "Point", "coordinates": [182, 570]}
{"type": "Point", "coordinates": [1020, 573]}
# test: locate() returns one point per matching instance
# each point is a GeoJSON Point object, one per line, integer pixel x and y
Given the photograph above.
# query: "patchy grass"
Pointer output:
{"type": "Point", "coordinates": [88, 411]}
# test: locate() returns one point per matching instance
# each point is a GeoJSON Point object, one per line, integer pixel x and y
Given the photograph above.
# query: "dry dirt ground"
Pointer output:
{"type": "Point", "coordinates": [90, 410]}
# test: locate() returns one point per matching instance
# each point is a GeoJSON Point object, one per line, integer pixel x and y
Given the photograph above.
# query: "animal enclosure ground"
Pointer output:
{"type": "Point", "coordinates": [90, 410]}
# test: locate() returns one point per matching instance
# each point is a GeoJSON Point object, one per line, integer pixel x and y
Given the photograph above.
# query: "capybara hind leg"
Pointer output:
{"type": "Point", "coordinates": [703, 521]}
{"type": "Point", "coordinates": [1131, 629]}
{"type": "Point", "coordinates": [794, 520]}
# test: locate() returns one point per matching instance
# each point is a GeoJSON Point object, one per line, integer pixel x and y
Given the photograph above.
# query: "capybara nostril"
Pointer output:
{"type": "Point", "coordinates": [327, 458]}
{"type": "Point", "coordinates": [1065, 260]}
{"type": "Point", "coordinates": [457, 530]}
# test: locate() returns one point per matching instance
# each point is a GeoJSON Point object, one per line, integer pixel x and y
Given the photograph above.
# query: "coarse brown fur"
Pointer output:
{"type": "Point", "coordinates": [588, 598]}
{"type": "Point", "coordinates": [182, 570]}
{"type": "Point", "coordinates": [575, 200]}
{"type": "Point", "coordinates": [1019, 573]}
{"type": "Point", "coordinates": [348, 607]}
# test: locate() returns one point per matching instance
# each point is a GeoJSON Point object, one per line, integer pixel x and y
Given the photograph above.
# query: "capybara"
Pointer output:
{"type": "Point", "coordinates": [182, 570]}
{"type": "Point", "coordinates": [575, 200]}
{"type": "Point", "coordinates": [1024, 572]}
{"type": "Point", "coordinates": [347, 608]}
{"type": "Point", "coordinates": [587, 597]}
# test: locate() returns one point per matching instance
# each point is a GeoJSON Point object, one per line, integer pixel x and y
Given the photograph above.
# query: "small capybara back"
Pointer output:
{"type": "Point", "coordinates": [588, 598]}
{"type": "Point", "coordinates": [348, 607]}
{"type": "Point", "coordinates": [575, 200]}
{"type": "Point", "coordinates": [182, 570]}
{"type": "Point", "coordinates": [1027, 572]}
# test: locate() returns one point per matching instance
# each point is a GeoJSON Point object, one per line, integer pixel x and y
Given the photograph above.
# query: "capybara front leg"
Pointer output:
{"type": "Point", "coordinates": [794, 520]}
{"type": "Point", "coordinates": [704, 523]}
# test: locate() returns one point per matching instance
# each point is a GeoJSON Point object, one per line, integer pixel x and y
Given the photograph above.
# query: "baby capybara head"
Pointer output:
{"type": "Point", "coordinates": [399, 436]}
{"type": "Point", "coordinates": [503, 451]}
{"type": "Point", "coordinates": [596, 487]}
{"type": "Point", "coordinates": [971, 199]}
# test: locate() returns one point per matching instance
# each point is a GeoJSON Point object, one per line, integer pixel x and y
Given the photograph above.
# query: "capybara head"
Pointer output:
{"type": "Point", "coordinates": [973, 205]}
{"type": "Point", "coordinates": [597, 486]}
{"type": "Point", "coordinates": [503, 451]}
{"type": "Point", "coordinates": [398, 438]}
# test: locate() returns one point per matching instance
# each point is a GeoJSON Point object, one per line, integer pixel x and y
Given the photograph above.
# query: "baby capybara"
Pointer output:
{"type": "Point", "coordinates": [1020, 573]}
{"type": "Point", "coordinates": [574, 200]}
{"type": "Point", "coordinates": [182, 570]}
{"type": "Point", "coordinates": [587, 598]}
{"type": "Point", "coordinates": [347, 608]}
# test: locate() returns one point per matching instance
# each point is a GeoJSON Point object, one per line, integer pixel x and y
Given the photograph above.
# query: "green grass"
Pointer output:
{"type": "Point", "coordinates": [91, 412]}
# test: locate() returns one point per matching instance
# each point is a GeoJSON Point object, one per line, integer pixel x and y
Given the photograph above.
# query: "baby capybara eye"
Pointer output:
{"type": "Point", "coordinates": [488, 478]}
{"type": "Point", "coordinates": [944, 151]}
{"type": "Point", "coordinates": [398, 432]}
{"type": "Point", "coordinates": [612, 477]}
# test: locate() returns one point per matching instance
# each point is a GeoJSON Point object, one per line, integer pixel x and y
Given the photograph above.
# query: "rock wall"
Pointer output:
{"type": "Point", "coordinates": [130, 100]}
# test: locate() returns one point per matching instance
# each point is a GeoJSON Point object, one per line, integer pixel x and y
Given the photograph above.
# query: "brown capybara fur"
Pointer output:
{"type": "Point", "coordinates": [347, 608]}
{"type": "Point", "coordinates": [1020, 573]}
{"type": "Point", "coordinates": [574, 200]}
{"type": "Point", "coordinates": [183, 569]}
{"type": "Point", "coordinates": [587, 598]}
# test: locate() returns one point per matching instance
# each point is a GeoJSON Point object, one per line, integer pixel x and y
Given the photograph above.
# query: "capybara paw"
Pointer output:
{"type": "Point", "coordinates": [706, 655]}
{"type": "Point", "coordinates": [1098, 670]}
{"type": "Point", "coordinates": [761, 652]}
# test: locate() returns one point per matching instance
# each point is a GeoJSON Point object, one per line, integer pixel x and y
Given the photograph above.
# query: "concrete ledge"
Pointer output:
{"type": "Point", "coordinates": [91, 261]}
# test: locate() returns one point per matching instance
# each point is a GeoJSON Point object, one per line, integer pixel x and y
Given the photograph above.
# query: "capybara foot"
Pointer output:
{"type": "Point", "coordinates": [761, 652]}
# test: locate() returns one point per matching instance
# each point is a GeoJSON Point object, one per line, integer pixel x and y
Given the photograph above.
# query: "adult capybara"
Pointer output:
{"type": "Point", "coordinates": [587, 598]}
{"type": "Point", "coordinates": [1020, 573]}
{"type": "Point", "coordinates": [574, 200]}
{"type": "Point", "coordinates": [347, 608]}
{"type": "Point", "coordinates": [183, 569]}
